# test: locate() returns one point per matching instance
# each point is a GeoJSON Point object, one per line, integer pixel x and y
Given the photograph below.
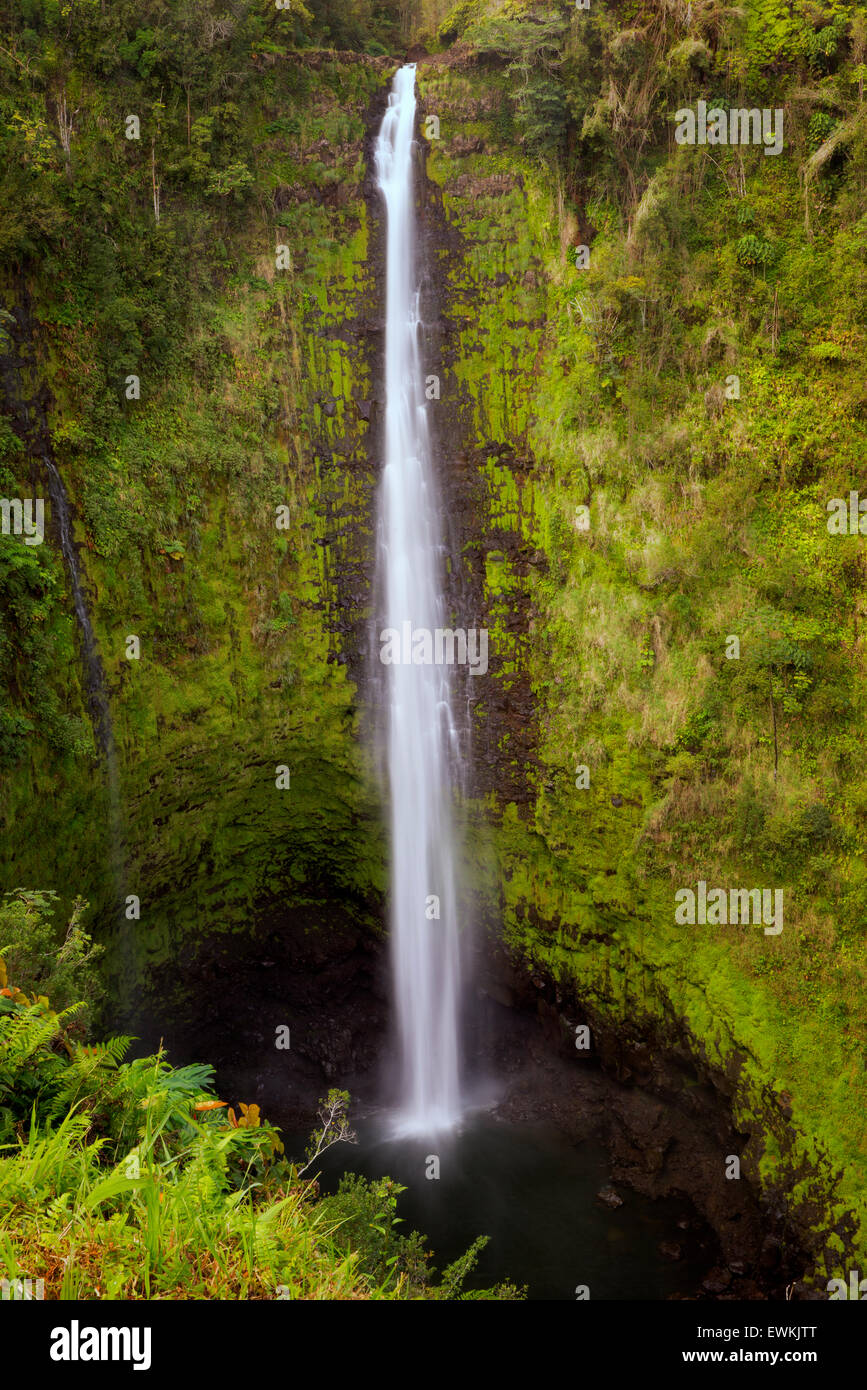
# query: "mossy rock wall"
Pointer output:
{"type": "Point", "coordinates": [582, 877]}
{"type": "Point", "coordinates": [251, 635]}
{"type": "Point", "coordinates": [605, 645]}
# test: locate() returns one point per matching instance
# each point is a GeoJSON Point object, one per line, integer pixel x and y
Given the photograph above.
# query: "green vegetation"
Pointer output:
{"type": "Point", "coordinates": [131, 1180]}
{"type": "Point", "coordinates": [698, 388]}
{"type": "Point", "coordinates": [155, 258]}
{"type": "Point", "coordinates": [707, 519]}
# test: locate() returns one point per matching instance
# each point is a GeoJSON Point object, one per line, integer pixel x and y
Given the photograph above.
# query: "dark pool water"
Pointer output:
{"type": "Point", "coordinates": [534, 1194]}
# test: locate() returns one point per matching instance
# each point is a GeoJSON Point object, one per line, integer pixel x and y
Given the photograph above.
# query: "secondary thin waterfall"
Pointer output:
{"type": "Point", "coordinates": [420, 738]}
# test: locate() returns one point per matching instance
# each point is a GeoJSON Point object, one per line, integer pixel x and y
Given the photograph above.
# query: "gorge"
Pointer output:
{"type": "Point", "coordinates": [567, 386]}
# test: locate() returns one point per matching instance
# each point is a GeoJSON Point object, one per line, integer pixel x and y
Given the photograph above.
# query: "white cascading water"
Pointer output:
{"type": "Point", "coordinates": [420, 740]}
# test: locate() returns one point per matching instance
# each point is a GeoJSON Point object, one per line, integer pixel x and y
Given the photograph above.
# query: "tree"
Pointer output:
{"type": "Point", "coordinates": [532, 50]}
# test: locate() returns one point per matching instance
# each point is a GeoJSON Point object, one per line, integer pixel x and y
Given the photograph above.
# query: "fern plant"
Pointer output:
{"type": "Point", "coordinates": [754, 250]}
{"type": "Point", "coordinates": [31, 1059]}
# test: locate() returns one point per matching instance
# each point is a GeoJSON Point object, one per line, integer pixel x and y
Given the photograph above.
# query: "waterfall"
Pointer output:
{"type": "Point", "coordinates": [420, 737]}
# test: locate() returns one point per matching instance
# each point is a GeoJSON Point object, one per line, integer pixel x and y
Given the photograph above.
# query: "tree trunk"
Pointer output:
{"type": "Point", "coordinates": [65, 127]}
{"type": "Point", "coordinates": [154, 184]}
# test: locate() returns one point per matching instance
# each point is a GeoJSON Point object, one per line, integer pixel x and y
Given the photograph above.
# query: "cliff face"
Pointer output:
{"type": "Point", "coordinates": [223, 520]}
{"type": "Point", "coordinates": [263, 405]}
{"type": "Point", "coordinates": [222, 501]}
{"type": "Point", "coordinates": [601, 809]}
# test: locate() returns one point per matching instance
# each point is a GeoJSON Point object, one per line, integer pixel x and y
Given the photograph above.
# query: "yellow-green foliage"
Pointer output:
{"type": "Point", "coordinates": [130, 1180]}
{"type": "Point", "coordinates": [707, 519]}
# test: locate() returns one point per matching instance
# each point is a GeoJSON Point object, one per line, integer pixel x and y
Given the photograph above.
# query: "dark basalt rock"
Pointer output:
{"type": "Point", "coordinates": [717, 1281]}
{"type": "Point", "coordinates": [667, 1126]}
{"type": "Point", "coordinates": [609, 1198]}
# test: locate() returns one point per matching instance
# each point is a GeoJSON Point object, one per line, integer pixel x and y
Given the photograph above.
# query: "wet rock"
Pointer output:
{"type": "Point", "coordinates": [770, 1254]}
{"type": "Point", "coordinates": [501, 993]}
{"type": "Point", "coordinates": [748, 1288]}
{"type": "Point", "coordinates": [609, 1198]}
{"type": "Point", "coordinates": [717, 1281]}
{"type": "Point", "coordinates": [327, 984]}
{"type": "Point", "coordinates": [465, 144]}
{"type": "Point", "coordinates": [494, 186]}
